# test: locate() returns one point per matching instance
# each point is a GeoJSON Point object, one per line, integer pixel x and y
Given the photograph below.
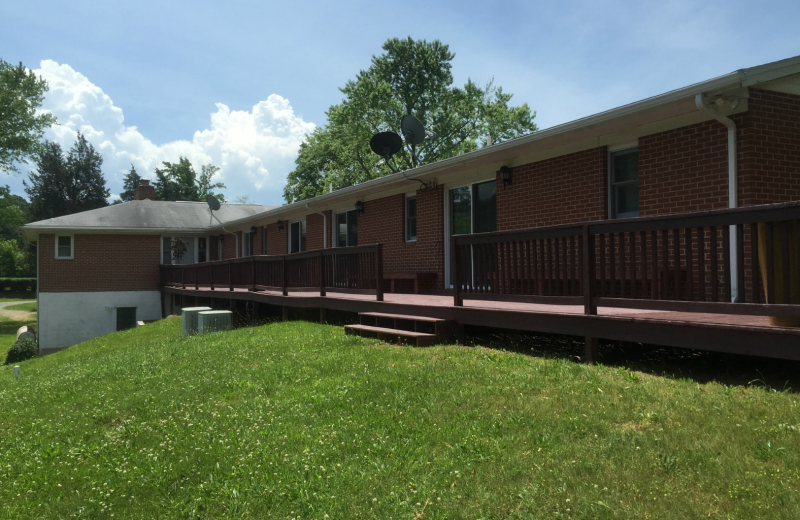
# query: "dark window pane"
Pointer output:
{"type": "Point", "coordinates": [126, 318]}
{"type": "Point", "coordinates": [303, 235]}
{"type": "Point", "coordinates": [461, 207]}
{"type": "Point", "coordinates": [411, 218]}
{"type": "Point", "coordinates": [627, 197]}
{"type": "Point", "coordinates": [626, 167]}
{"type": "Point", "coordinates": [485, 208]}
{"type": "Point", "coordinates": [64, 246]}
{"type": "Point", "coordinates": [341, 230]}
{"type": "Point", "coordinates": [166, 255]}
{"type": "Point", "coordinates": [352, 228]}
{"type": "Point", "coordinates": [294, 238]}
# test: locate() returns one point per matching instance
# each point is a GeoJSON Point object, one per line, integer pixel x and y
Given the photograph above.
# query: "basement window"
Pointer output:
{"type": "Point", "coordinates": [624, 184]}
{"type": "Point", "coordinates": [65, 247]}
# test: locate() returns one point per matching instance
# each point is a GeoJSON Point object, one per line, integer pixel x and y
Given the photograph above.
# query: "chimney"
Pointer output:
{"type": "Point", "coordinates": [144, 191]}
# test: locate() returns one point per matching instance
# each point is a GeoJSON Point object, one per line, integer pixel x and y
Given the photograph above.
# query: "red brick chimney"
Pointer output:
{"type": "Point", "coordinates": [144, 191]}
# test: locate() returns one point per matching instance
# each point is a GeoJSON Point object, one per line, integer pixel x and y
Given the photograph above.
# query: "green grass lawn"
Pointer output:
{"type": "Point", "coordinates": [30, 307]}
{"type": "Point", "coordinates": [18, 298]}
{"type": "Point", "coordinates": [297, 420]}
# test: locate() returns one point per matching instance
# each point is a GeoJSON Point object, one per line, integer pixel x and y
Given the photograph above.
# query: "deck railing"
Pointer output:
{"type": "Point", "coordinates": [340, 269]}
{"type": "Point", "coordinates": [677, 263]}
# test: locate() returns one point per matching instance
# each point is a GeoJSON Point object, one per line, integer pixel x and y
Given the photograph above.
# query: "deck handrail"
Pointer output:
{"type": "Point", "coordinates": [357, 269]}
{"type": "Point", "coordinates": [678, 262]}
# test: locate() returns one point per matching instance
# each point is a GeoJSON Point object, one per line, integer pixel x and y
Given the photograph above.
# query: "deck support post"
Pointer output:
{"type": "Point", "coordinates": [284, 313]}
{"type": "Point", "coordinates": [591, 349]}
{"type": "Point", "coordinates": [323, 315]}
{"type": "Point", "coordinates": [457, 301]}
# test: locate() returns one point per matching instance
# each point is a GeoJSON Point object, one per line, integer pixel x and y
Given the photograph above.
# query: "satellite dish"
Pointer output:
{"type": "Point", "coordinates": [213, 202]}
{"type": "Point", "coordinates": [412, 129]}
{"type": "Point", "coordinates": [386, 144]}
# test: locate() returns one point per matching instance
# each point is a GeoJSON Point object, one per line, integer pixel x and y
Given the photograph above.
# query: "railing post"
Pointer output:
{"type": "Point", "coordinates": [589, 267]}
{"type": "Point", "coordinates": [230, 275]}
{"type": "Point", "coordinates": [321, 273]}
{"type": "Point", "coordinates": [253, 273]}
{"type": "Point", "coordinates": [379, 272]}
{"type": "Point", "coordinates": [284, 291]}
{"type": "Point", "coordinates": [211, 265]}
{"type": "Point", "coordinates": [457, 301]}
{"type": "Point", "coordinates": [196, 283]}
{"type": "Point", "coordinates": [183, 278]}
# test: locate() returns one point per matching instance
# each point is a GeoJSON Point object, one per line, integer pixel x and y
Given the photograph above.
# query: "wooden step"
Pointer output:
{"type": "Point", "coordinates": [420, 339]}
{"type": "Point", "coordinates": [402, 317]}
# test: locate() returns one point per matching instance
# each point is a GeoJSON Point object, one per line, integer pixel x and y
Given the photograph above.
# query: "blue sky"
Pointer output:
{"type": "Point", "coordinates": [239, 83]}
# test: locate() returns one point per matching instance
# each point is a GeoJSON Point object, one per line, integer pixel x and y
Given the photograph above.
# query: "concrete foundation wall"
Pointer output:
{"type": "Point", "coordinates": [68, 318]}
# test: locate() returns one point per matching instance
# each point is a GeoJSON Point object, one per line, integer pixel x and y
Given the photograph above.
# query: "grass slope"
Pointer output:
{"type": "Point", "coordinates": [296, 420]}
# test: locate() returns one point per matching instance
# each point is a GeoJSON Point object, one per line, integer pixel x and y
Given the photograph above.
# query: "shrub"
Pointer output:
{"type": "Point", "coordinates": [18, 285]}
{"type": "Point", "coordinates": [21, 350]}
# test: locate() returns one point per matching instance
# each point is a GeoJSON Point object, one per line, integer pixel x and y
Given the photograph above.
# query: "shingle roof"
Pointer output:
{"type": "Point", "coordinates": [144, 215]}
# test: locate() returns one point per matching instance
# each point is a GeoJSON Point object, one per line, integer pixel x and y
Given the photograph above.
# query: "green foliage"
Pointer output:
{"type": "Point", "coordinates": [22, 350]}
{"type": "Point", "coordinates": [129, 184]}
{"type": "Point", "coordinates": [63, 185]}
{"type": "Point", "coordinates": [179, 181]}
{"type": "Point", "coordinates": [21, 128]}
{"type": "Point", "coordinates": [12, 260]}
{"type": "Point", "coordinates": [17, 285]}
{"type": "Point", "coordinates": [297, 420]}
{"type": "Point", "coordinates": [410, 77]}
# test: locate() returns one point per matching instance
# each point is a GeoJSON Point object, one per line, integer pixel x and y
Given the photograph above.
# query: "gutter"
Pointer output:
{"type": "Point", "coordinates": [733, 187]}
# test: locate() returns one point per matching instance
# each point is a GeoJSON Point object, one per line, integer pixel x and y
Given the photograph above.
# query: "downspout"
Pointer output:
{"type": "Point", "coordinates": [733, 191]}
{"type": "Point", "coordinates": [324, 227]}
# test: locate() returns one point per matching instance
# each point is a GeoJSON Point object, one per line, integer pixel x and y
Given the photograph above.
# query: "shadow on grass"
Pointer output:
{"type": "Point", "coordinates": [676, 363]}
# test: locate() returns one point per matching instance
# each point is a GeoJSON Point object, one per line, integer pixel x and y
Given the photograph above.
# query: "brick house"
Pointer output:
{"type": "Point", "coordinates": [727, 142]}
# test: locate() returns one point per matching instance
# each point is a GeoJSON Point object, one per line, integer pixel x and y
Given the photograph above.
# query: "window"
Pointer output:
{"type": "Point", "coordinates": [247, 243]}
{"type": "Point", "coordinates": [64, 249]}
{"type": "Point", "coordinates": [297, 237]}
{"type": "Point", "coordinates": [126, 318]}
{"type": "Point", "coordinates": [201, 249]}
{"type": "Point", "coordinates": [411, 219]}
{"type": "Point", "coordinates": [473, 209]}
{"type": "Point", "coordinates": [624, 184]}
{"type": "Point", "coordinates": [347, 229]}
{"type": "Point", "coordinates": [186, 250]}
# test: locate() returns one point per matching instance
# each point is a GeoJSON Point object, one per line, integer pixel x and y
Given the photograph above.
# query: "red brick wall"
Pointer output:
{"type": "Point", "coordinates": [562, 190]}
{"type": "Point", "coordinates": [277, 241]}
{"type": "Point", "coordinates": [230, 244]}
{"type": "Point", "coordinates": [383, 221]}
{"type": "Point", "coordinates": [316, 232]}
{"type": "Point", "coordinates": [101, 263]}
{"type": "Point", "coordinates": [684, 170]}
{"type": "Point", "coordinates": [769, 149]}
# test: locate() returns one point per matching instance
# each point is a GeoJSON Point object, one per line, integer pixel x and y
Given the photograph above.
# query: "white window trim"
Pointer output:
{"type": "Point", "coordinates": [405, 218]}
{"type": "Point", "coordinates": [71, 248]}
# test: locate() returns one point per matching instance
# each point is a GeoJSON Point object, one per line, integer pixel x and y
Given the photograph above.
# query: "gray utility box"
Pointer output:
{"type": "Point", "coordinates": [189, 319]}
{"type": "Point", "coordinates": [213, 321]}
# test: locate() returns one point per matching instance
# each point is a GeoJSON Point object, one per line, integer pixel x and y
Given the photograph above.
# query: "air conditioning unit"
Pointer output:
{"type": "Point", "coordinates": [189, 319]}
{"type": "Point", "coordinates": [213, 321]}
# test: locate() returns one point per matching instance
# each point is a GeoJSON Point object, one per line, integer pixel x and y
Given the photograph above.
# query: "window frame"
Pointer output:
{"type": "Point", "coordinates": [71, 248]}
{"type": "Point", "coordinates": [195, 245]}
{"type": "Point", "coordinates": [248, 239]}
{"type": "Point", "coordinates": [406, 218]}
{"type": "Point", "coordinates": [612, 200]}
{"type": "Point", "coordinates": [302, 229]}
{"type": "Point", "coordinates": [346, 226]}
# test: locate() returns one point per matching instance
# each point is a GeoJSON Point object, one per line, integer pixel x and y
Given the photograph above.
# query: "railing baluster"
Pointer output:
{"type": "Point", "coordinates": [676, 257]}
{"type": "Point", "coordinates": [379, 272]}
{"type": "Point", "coordinates": [512, 246]}
{"type": "Point", "coordinates": [643, 246]}
{"type": "Point", "coordinates": [726, 255]}
{"type": "Point", "coordinates": [689, 264]}
{"type": "Point", "coordinates": [622, 274]}
{"type": "Point", "coordinates": [613, 265]}
{"type": "Point", "coordinates": [537, 287]}
{"type": "Point", "coordinates": [740, 262]}
{"type": "Point", "coordinates": [755, 268]}
{"type": "Point", "coordinates": [770, 288]}
{"type": "Point", "coordinates": [664, 273]}
{"type": "Point", "coordinates": [602, 252]}
{"type": "Point", "coordinates": [785, 261]}
{"type": "Point", "coordinates": [632, 272]}
{"type": "Point", "coordinates": [701, 266]}
{"type": "Point", "coordinates": [588, 267]}
{"type": "Point", "coordinates": [654, 267]}
{"type": "Point", "coordinates": [557, 266]}
{"type": "Point", "coordinates": [714, 262]}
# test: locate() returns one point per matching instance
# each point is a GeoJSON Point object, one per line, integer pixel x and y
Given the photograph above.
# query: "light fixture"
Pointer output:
{"type": "Point", "coordinates": [280, 225]}
{"type": "Point", "coordinates": [360, 206]}
{"type": "Point", "coordinates": [253, 229]}
{"type": "Point", "coordinates": [221, 237]}
{"type": "Point", "coordinates": [505, 175]}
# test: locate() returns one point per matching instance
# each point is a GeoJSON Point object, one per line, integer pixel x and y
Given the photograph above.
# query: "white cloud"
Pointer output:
{"type": "Point", "coordinates": [254, 149]}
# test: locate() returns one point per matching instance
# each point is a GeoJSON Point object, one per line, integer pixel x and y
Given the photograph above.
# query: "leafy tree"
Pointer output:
{"type": "Point", "coordinates": [17, 257]}
{"type": "Point", "coordinates": [21, 128]}
{"type": "Point", "coordinates": [65, 185]}
{"type": "Point", "coordinates": [12, 260]}
{"type": "Point", "coordinates": [129, 184]}
{"type": "Point", "coordinates": [179, 181]}
{"type": "Point", "coordinates": [12, 214]}
{"type": "Point", "coordinates": [410, 77]}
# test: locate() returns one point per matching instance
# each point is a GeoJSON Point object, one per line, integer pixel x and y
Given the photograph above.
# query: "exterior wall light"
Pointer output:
{"type": "Point", "coordinates": [221, 237]}
{"type": "Point", "coordinates": [505, 175]}
{"type": "Point", "coordinates": [360, 206]}
{"type": "Point", "coordinates": [253, 230]}
{"type": "Point", "coordinates": [280, 225]}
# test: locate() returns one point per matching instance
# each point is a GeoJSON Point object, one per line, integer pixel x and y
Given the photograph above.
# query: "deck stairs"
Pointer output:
{"type": "Point", "coordinates": [420, 331]}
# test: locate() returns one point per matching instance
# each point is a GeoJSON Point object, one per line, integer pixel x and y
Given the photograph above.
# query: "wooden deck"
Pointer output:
{"type": "Point", "coordinates": [740, 334]}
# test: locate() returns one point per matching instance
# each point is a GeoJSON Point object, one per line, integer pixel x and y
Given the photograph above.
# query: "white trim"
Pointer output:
{"type": "Point", "coordinates": [71, 248]}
